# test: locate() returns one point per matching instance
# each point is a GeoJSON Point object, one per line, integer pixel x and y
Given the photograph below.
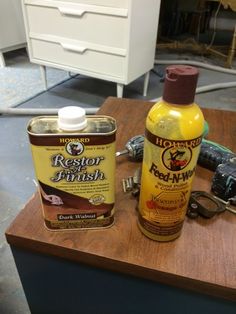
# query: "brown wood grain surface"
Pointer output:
{"type": "Point", "coordinates": [202, 259]}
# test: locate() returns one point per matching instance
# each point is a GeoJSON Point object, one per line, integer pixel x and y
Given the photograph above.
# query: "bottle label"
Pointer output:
{"type": "Point", "coordinates": [76, 179]}
{"type": "Point", "coordinates": [167, 174]}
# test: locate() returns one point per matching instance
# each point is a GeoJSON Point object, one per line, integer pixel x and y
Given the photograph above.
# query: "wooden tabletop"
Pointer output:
{"type": "Point", "coordinates": [202, 259]}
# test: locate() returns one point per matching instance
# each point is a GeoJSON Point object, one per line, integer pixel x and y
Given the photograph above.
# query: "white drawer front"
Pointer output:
{"type": "Point", "coordinates": [70, 22]}
{"type": "Point", "coordinates": [69, 55]}
{"type": "Point", "coordinates": [112, 3]}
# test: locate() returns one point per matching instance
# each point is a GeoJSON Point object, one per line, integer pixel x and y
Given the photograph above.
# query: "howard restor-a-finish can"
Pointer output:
{"type": "Point", "coordinates": [74, 159]}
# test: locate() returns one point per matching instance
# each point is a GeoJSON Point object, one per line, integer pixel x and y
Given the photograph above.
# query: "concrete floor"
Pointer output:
{"type": "Point", "coordinates": [17, 173]}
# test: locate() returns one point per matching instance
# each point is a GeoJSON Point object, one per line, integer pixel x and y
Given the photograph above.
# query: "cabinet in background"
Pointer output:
{"type": "Point", "coordinates": [113, 40]}
{"type": "Point", "coordinates": [12, 31]}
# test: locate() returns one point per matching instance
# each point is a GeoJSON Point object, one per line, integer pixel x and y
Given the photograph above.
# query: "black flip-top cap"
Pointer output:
{"type": "Point", "coordinates": [180, 84]}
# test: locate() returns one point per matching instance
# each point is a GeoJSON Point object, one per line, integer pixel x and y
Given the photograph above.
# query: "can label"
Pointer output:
{"type": "Point", "coordinates": [76, 179]}
{"type": "Point", "coordinates": [167, 174]}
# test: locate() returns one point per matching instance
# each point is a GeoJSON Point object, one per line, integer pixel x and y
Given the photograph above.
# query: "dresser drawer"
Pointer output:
{"type": "Point", "coordinates": [111, 3]}
{"type": "Point", "coordinates": [71, 55]}
{"type": "Point", "coordinates": [91, 23]}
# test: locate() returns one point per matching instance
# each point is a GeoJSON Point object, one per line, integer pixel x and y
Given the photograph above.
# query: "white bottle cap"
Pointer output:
{"type": "Point", "coordinates": [71, 118]}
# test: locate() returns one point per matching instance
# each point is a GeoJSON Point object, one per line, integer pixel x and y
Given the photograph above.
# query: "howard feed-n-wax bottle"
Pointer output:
{"type": "Point", "coordinates": [174, 128]}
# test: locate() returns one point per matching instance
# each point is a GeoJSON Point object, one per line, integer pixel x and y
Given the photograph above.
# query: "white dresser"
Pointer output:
{"type": "Point", "coordinates": [113, 40]}
{"type": "Point", "coordinates": [12, 31]}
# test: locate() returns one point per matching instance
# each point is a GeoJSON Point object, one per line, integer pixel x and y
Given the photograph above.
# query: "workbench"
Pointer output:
{"type": "Point", "coordinates": [119, 270]}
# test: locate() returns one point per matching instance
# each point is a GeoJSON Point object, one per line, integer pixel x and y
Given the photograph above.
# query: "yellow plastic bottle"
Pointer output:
{"type": "Point", "coordinates": [174, 128]}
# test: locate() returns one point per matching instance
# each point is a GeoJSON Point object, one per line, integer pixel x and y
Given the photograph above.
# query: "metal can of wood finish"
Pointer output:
{"type": "Point", "coordinates": [74, 159]}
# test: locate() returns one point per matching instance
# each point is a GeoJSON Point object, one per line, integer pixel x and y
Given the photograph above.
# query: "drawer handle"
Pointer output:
{"type": "Point", "coordinates": [70, 11]}
{"type": "Point", "coordinates": [72, 47]}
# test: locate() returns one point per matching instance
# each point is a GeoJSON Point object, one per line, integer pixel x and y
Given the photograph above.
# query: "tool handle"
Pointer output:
{"type": "Point", "coordinates": [213, 154]}
{"type": "Point", "coordinates": [135, 147]}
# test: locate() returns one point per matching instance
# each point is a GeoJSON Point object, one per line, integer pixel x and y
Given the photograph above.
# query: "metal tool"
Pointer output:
{"type": "Point", "coordinates": [132, 183]}
{"type": "Point", "coordinates": [230, 205]}
{"type": "Point", "coordinates": [128, 184]}
{"type": "Point", "coordinates": [207, 205]}
{"type": "Point", "coordinates": [134, 148]}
